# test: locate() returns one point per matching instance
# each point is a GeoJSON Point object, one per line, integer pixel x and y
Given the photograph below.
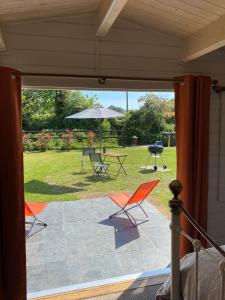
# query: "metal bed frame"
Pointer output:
{"type": "Point", "coordinates": [176, 206]}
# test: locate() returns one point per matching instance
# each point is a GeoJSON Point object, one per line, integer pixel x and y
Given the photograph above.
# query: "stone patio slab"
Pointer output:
{"type": "Point", "coordinates": [81, 244]}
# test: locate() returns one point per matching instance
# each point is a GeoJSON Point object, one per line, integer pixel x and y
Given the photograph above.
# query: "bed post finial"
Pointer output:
{"type": "Point", "coordinates": [176, 188]}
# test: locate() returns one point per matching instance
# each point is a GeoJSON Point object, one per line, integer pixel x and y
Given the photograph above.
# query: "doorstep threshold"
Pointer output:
{"type": "Point", "coordinates": [103, 287]}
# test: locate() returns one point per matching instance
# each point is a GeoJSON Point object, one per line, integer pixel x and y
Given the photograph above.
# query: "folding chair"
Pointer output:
{"type": "Point", "coordinates": [123, 200]}
{"type": "Point", "coordinates": [32, 210]}
{"type": "Point", "coordinates": [98, 165]}
{"type": "Point", "coordinates": [86, 152]}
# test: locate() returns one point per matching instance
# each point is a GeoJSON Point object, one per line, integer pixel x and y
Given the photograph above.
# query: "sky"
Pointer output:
{"type": "Point", "coordinates": [118, 98]}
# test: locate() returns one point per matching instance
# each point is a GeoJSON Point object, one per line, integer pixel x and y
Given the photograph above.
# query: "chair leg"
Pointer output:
{"type": "Point", "coordinates": [129, 216]}
{"type": "Point", "coordinates": [32, 225]}
{"type": "Point", "coordinates": [116, 213]}
{"type": "Point", "coordinates": [143, 211]}
{"type": "Point", "coordinates": [139, 205]}
{"type": "Point", "coordinates": [36, 221]}
{"type": "Point", "coordinates": [98, 171]}
{"type": "Point", "coordinates": [95, 171]}
{"type": "Point", "coordinates": [106, 172]}
{"type": "Point", "coordinates": [39, 222]}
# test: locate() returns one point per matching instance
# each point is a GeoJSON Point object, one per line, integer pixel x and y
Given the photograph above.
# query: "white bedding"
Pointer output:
{"type": "Point", "coordinates": [209, 278]}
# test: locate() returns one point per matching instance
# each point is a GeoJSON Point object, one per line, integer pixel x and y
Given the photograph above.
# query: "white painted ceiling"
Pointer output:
{"type": "Point", "coordinates": [179, 18]}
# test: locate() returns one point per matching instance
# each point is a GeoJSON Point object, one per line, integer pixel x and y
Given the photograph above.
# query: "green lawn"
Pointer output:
{"type": "Point", "coordinates": [55, 176]}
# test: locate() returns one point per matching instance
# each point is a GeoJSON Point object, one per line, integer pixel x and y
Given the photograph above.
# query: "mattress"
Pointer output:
{"type": "Point", "coordinates": [209, 277]}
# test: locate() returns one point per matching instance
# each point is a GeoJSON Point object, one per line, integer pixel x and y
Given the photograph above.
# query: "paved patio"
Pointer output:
{"type": "Point", "coordinates": [81, 244]}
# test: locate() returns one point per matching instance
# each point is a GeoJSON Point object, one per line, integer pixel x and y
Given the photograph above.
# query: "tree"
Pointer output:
{"type": "Point", "coordinates": [47, 109]}
{"type": "Point", "coordinates": [149, 121]}
{"type": "Point", "coordinates": [163, 106]}
{"type": "Point", "coordinates": [37, 108]}
{"type": "Point", "coordinates": [60, 98]}
{"type": "Point", "coordinates": [117, 108]}
{"type": "Point", "coordinates": [74, 102]}
{"type": "Point", "coordinates": [155, 102]}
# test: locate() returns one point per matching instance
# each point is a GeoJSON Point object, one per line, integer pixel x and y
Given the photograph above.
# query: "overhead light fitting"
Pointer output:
{"type": "Point", "coordinates": [101, 80]}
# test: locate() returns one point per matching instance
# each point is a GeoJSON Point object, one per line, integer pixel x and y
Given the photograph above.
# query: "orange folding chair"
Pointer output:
{"type": "Point", "coordinates": [32, 210]}
{"type": "Point", "coordinates": [123, 200]}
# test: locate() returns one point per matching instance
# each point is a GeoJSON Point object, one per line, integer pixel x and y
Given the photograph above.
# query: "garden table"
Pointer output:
{"type": "Point", "coordinates": [120, 158]}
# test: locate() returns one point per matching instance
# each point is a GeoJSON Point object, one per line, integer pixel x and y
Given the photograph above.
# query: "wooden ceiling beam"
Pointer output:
{"type": "Point", "coordinates": [108, 13]}
{"type": "Point", "coordinates": [209, 38]}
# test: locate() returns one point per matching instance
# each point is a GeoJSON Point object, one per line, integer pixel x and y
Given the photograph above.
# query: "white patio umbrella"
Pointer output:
{"type": "Point", "coordinates": [97, 113]}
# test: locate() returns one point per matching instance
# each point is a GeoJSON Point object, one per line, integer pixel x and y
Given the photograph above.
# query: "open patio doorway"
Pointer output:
{"type": "Point", "coordinates": [80, 243]}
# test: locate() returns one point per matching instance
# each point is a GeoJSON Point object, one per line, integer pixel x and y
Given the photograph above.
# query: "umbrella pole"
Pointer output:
{"type": "Point", "coordinates": [100, 135]}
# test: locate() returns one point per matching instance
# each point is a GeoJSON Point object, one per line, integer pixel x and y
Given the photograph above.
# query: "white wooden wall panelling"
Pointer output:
{"type": "Point", "coordinates": [51, 59]}
{"type": "Point", "coordinates": [67, 45]}
{"type": "Point", "coordinates": [55, 44]}
{"type": "Point", "coordinates": [116, 62]}
{"type": "Point", "coordinates": [87, 32]}
{"type": "Point", "coordinates": [53, 29]}
{"type": "Point", "coordinates": [221, 145]}
{"type": "Point", "coordinates": [216, 207]}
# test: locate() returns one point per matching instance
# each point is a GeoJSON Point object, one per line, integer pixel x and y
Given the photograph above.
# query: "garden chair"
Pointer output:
{"type": "Point", "coordinates": [99, 167]}
{"type": "Point", "coordinates": [31, 211]}
{"type": "Point", "coordinates": [123, 200]}
{"type": "Point", "coordinates": [86, 152]}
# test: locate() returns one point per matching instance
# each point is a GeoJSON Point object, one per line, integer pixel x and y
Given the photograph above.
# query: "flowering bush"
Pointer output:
{"type": "Point", "coordinates": [28, 144]}
{"type": "Point", "coordinates": [67, 139]}
{"type": "Point", "coordinates": [80, 136]}
{"type": "Point", "coordinates": [90, 137]}
{"type": "Point", "coordinates": [61, 140]}
{"type": "Point", "coordinates": [42, 140]}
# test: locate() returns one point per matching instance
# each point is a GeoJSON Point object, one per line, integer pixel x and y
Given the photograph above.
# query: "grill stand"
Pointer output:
{"type": "Point", "coordinates": [155, 152]}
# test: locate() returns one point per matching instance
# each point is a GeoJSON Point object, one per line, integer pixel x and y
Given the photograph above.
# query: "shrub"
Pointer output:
{"type": "Point", "coordinates": [105, 127]}
{"type": "Point", "coordinates": [42, 140]}
{"type": "Point", "coordinates": [28, 144]}
{"type": "Point", "coordinates": [80, 136]}
{"type": "Point", "coordinates": [67, 139]}
{"type": "Point", "coordinates": [90, 137]}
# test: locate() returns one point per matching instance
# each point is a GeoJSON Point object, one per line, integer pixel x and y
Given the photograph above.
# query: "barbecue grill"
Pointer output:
{"type": "Point", "coordinates": [156, 151]}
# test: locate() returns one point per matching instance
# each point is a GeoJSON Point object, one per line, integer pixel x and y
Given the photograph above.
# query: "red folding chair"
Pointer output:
{"type": "Point", "coordinates": [123, 200]}
{"type": "Point", "coordinates": [32, 210]}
